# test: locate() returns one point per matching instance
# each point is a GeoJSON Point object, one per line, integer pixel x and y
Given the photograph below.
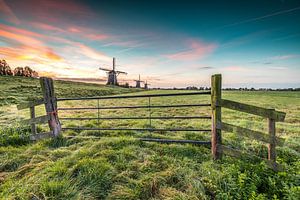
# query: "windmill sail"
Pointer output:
{"type": "Point", "coordinates": [104, 69]}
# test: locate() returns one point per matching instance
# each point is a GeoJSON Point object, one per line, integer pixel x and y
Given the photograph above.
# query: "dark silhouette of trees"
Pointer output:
{"type": "Point", "coordinates": [26, 71]}
{"type": "Point", "coordinates": [18, 71]}
{"type": "Point", "coordinates": [5, 68]}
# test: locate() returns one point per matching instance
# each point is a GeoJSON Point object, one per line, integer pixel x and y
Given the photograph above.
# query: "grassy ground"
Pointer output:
{"type": "Point", "coordinates": [15, 90]}
{"type": "Point", "coordinates": [18, 89]}
{"type": "Point", "coordinates": [118, 166]}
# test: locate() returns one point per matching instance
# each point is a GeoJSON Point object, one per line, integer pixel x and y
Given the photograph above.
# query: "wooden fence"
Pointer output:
{"type": "Point", "coordinates": [51, 116]}
{"type": "Point", "coordinates": [217, 102]}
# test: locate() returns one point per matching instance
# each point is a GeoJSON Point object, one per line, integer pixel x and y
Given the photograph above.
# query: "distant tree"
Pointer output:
{"type": "Point", "coordinates": [26, 72]}
{"type": "Point", "coordinates": [126, 85]}
{"type": "Point", "coordinates": [5, 68]}
{"type": "Point", "coordinates": [191, 88]}
{"type": "Point", "coordinates": [19, 71]}
{"type": "Point", "coordinates": [35, 74]}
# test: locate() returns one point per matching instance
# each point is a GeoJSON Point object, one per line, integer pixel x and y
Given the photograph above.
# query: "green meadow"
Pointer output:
{"type": "Point", "coordinates": [116, 165]}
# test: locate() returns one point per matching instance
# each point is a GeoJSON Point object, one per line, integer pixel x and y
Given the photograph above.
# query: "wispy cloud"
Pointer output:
{"type": "Point", "coordinates": [287, 37]}
{"type": "Point", "coordinates": [92, 53]}
{"type": "Point", "coordinates": [53, 11]}
{"type": "Point", "coordinates": [235, 68]}
{"type": "Point", "coordinates": [26, 37]}
{"type": "Point", "coordinates": [285, 57]}
{"type": "Point", "coordinates": [205, 68]}
{"type": "Point", "coordinates": [118, 42]}
{"type": "Point", "coordinates": [196, 50]}
{"type": "Point", "coordinates": [19, 35]}
{"type": "Point", "coordinates": [88, 33]}
{"type": "Point", "coordinates": [32, 45]}
{"type": "Point", "coordinates": [82, 32]}
{"type": "Point", "coordinates": [95, 36]}
{"type": "Point", "coordinates": [47, 27]}
{"type": "Point", "coordinates": [27, 45]}
{"type": "Point", "coordinates": [267, 63]}
{"type": "Point", "coordinates": [244, 39]}
{"type": "Point", "coordinates": [262, 17]}
{"type": "Point", "coordinates": [278, 68]}
{"type": "Point", "coordinates": [84, 80]}
{"type": "Point", "coordinates": [42, 55]}
{"type": "Point", "coordinates": [7, 13]}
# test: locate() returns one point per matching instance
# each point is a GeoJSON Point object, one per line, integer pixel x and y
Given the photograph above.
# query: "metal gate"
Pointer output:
{"type": "Point", "coordinates": [148, 108]}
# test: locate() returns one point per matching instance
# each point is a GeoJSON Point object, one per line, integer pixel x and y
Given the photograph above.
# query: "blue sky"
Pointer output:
{"type": "Point", "coordinates": [170, 43]}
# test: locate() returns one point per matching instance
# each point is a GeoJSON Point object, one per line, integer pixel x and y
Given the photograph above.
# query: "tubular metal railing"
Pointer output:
{"type": "Point", "coordinates": [149, 107]}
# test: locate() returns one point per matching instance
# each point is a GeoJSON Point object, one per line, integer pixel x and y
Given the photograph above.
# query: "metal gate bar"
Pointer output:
{"type": "Point", "coordinates": [134, 107]}
{"type": "Point", "coordinates": [152, 140]}
{"type": "Point", "coordinates": [175, 141]}
{"type": "Point", "coordinates": [111, 118]}
{"type": "Point", "coordinates": [134, 129]}
{"type": "Point", "coordinates": [134, 96]}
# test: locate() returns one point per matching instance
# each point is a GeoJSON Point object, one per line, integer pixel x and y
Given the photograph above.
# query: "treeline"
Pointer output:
{"type": "Point", "coordinates": [18, 71]}
{"type": "Point", "coordinates": [244, 89]}
{"type": "Point", "coordinates": [262, 89]}
{"type": "Point", "coordinates": [230, 89]}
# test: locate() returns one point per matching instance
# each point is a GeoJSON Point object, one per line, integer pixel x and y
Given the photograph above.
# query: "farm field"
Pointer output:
{"type": "Point", "coordinates": [116, 165]}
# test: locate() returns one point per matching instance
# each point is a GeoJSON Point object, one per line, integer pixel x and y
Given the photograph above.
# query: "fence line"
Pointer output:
{"type": "Point", "coordinates": [216, 105]}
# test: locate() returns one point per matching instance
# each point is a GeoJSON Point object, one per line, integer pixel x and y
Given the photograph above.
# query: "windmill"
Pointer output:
{"type": "Point", "coordinates": [112, 74]}
{"type": "Point", "coordinates": [138, 82]}
{"type": "Point", "coordinates": [146, 86]}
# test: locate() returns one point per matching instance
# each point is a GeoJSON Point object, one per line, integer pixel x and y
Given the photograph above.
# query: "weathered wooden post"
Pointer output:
{"type": "Point", "coordinates": [50, 105]}
{"type": "Point", "coordinates": [216, 137]}
{"type": "Point", "coordinates": [272, 144]}
{"type": "Point", "coordinates": [32, 116]}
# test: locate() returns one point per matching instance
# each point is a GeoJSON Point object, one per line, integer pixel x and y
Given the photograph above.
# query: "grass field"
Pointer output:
{"type": "Point", "coordinates": [118, 166]}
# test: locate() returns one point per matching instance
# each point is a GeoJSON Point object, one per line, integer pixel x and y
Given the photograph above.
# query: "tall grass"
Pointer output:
{"type": "Point", "coordinates": [15, 134]}
{"type": "Point", "coordinates": [116, 165]}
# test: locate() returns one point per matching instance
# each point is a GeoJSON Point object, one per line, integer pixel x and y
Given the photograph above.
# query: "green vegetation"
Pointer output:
{"type": "Point", "coordinates": [16, 90]}
{"type": "Point", "coordinates": [118, 166]}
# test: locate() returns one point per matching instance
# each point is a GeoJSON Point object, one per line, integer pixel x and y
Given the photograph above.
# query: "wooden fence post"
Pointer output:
{"type": "Point", "coordinates": [32, 116]}
{"type": "Point", "coordinates": [50, 105]}
{"type": "Point", "coordinates": [272, 143]}
{"type": "Point", "coordinates": [216, 137]}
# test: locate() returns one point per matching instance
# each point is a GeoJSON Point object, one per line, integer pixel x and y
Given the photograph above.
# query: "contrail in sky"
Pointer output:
{"type": "Point", "coordinates": [262, 17]}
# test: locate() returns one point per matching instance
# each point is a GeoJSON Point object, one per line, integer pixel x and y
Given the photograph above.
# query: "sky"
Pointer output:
{"type": "Point", "coordinates": [253, 43]}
